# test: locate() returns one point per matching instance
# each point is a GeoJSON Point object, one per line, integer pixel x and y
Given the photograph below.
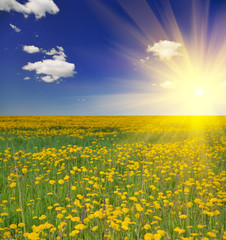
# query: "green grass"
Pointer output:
{"type": "Point", "coordinates": [128, 183]}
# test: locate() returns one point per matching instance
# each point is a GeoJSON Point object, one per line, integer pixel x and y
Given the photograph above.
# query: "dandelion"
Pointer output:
{"type": "Point", "coordinates": [139, 208]}
{"type": "Point", "coordinates": [211, 234]}
{"type": "Point", "coordinates": [4, 214]}
{"type": "Point", "coordinates": [80, 227]}
{"type": "Point", "coordinates": [201, 226]}
{"type": "Point", "coordinates": [74, 233]}
{"type": "Point", "coordinates": [148, 236]}
{"type": "Point", "coordinates": [60, 215]}
{"type": "Point", "coordinates": [12, 185]}
{"type": "Point", "coordinates": [178, 230]}
{"type": "Point", "coordinates": [24, 170]}
{"type": "Point", "coordinates": [42, 217]}
{"type": "Point", "coordinates": [189, 204]}
{"type": "Point", "coordinates": [61, 181]}
{"type": "Point", "coordinates": [21, 225]}
{"type": "Point", "coordinates": [94, 228]}
{"type": "Point", "coordinates": [52, 182]}
{"type": "Point", "coordinates": [13, 226]}
{"type": "Point", "coordinates": [7, 234]}
{"type": "Point", "coordinates": [133, 199]}
{"type": "Point", "coordinates": [157, 236]}
{"type": "Point", "coordinates": [146, 226]}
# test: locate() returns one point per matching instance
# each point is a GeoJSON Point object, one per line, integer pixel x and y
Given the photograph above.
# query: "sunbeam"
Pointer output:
{"type": "Point", "coordinates": [187, 67]}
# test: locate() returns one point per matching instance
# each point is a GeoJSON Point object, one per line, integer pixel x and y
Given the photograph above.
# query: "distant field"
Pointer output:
{"type": "Point", "coordinates": [112, 177]}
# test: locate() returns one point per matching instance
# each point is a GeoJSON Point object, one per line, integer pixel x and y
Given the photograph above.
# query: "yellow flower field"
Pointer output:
{"type": "Point", "coordinates": [112, 178]}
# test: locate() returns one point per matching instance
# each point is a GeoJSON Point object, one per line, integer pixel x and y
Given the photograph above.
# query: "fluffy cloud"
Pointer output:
{"type": "Point", "coordinates": [37, 7]}
{"type": "Point", "coordinates": [54, 68]}
{"type": "Point", "coordinates": [31, 49]}
{"type": "Point", "coordinates": [165, 49]}
{"type": "Point", "coordinates": [16, 29]}
{"type": "Point", "coordinates": [27, 78]}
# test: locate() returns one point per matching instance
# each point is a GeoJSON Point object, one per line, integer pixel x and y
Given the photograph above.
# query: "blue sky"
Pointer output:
{"type": "Point", "coordinates": [97, 58]}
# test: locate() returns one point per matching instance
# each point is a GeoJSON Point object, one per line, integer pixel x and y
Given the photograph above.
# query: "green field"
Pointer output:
{"type": "Point", "coordinates": [112, 177]}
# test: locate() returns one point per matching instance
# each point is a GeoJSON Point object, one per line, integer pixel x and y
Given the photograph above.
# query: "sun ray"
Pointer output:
{"type": "Point", "coordinates": [194, 77]}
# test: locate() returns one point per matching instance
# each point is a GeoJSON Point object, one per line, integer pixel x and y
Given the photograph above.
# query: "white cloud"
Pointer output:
{"type": "Point", "coordinates": [165, 49]}
{"type": "Point", "coordinates": [142, 60]}
{"type": "Point", "coordinates": [37, 7]}
{"type": "Point", "coordinates": [31, 49]}
{"type": "Point", "coordinates": [16, 29]}
{"type": "Point", "coordinates": [27, 78]}
{"type": "Point", "coordinates": [54, 68]}
{"type": "Point", "coordinates": [167, 84]}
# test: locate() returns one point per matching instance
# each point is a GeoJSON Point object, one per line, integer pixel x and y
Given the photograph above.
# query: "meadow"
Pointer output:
{"type": "Point", "coordinates": [112, 177]}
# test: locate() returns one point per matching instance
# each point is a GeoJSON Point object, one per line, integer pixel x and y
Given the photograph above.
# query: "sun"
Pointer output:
{"type": "Point", "coordinates": [199, 92]}
{"type": "Point", "coordinates": [186, 68]}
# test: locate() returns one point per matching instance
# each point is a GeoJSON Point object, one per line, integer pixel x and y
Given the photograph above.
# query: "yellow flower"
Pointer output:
{"type": "Point", "coordinates": [146, 226]}
{"type": "Point", "coordinates": [133, 199]}
{"type": "Point", "coordinates": [189, 204]}
{"type": "Point", "coordinates": [148, 236]}
{"type": "Point", "coordinates": [21, 224]}
{"type": "Point", "coordinates": [75, 219]}
{"type": "Point", "coordinates": [212, 200]}
{"type": "Point", "coordinates": [73, 188]}
{"type": "Point", "coordinates": [73, 233]}
{"type": "Point", "coordinates": [139, 208]}
{"type": "Point", "coordinates": [4, 214]}
{"type": "Point", "coordinates": [66, 177]}
{"type": "Point", "coordinates": [157, 218]}
{"type": "Point", "coordinates": [24, 170]}
{"type": "Point", "coordinates": [217, 212]}
{"type": "Point", "coordinates": [80, 226]}
{"type": "Point", "coordinates": [183, 216]}
{"type": "Point", "coordinates": [60, 215]}
{"type": "Point", "coordinates": [157, 236]}
{"type": "Point", "coordinates": [94, 228]}
{"type": "Point", "coordinates": [52, 182]}
{"type": "Point", "coordinates": [7, 234]}
{"type": "Point", "coordinates": [42, 217]}
{"type": "Point", "coordinates": [178, 230]}
{"type": "Point", "coordinates": [125, 227]}
{"type": "Point", "coordinates": [161, 232]}
{"type": "Point", "coordinates": [201, 226]}
{"type": "Point", "coordinates": [33, 236]}
{"type": "Point", "coordinates": [13, 226]}
{"type": "Point", "coordinates": [12, 185]}
{"type": "Point", "coordinates": [61, 181]}
{"type": "Point", "coordinates": [211, 234]}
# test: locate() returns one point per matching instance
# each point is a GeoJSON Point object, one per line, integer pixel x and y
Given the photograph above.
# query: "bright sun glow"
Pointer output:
{"type": "Point", "coordinates": [188, 67]}
{"type": "Point", "coordinates": [199, 91]}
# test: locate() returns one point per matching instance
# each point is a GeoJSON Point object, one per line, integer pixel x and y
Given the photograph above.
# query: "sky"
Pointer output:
{"type": "Point", "coordinates": [115, 57]}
